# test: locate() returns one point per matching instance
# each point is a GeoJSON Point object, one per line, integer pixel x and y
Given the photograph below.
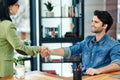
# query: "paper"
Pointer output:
{"type": "Point", "coordinates": [116, 76]}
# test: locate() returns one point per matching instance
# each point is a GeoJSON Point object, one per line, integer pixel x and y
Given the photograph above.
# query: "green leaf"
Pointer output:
{"type": "Point", "coordinates": [20, 58]}
{"type": "Point", "coordinates": [14, 60]}
{"type": "Point", "coordinates": [20, 62]}
{"type": "Point", "coordinates": [49, 6]}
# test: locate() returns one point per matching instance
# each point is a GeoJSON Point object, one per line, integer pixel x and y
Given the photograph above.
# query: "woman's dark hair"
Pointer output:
{"type": "Point", "coordinates": [11, 2]}
{"type": "Point", "coordinates": [105, 17]}
{"type": "Point", "coordinates": [4, 11]}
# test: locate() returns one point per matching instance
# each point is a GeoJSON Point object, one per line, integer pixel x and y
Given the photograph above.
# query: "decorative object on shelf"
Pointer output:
{"type": "Point", "coordinates": [72, 33]}
{"type": "Point", "coordinates": [70, 11]}
{"type": "Point", "coordinates": [52, 32]}
{"type": "Point", "coordinates": [23, 35]}
{"type": "Point", "coordinates": [19, 67]}
{"type": "Point", "coordinates": [50, 71]}
{"type": "Point", "coordinates": [49, 7]}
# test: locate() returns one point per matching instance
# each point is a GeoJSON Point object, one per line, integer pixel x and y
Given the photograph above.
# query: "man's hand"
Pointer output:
{"type": "Point", "coordinates": [92, 71]}
{"type": "Point", "coordinates": [44, 51]}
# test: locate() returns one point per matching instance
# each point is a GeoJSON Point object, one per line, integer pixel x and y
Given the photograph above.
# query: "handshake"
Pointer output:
{"type": "Point", "coordinates": [45, 51]}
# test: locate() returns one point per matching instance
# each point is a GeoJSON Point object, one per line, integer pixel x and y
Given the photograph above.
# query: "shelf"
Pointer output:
{"type": "Point", "coordinates": [66, 61]}
{"type": "Point", "coordinates": [73, 59]}
{"type": "Point", "coordinates": [65, 28]}
{"type": "Point", "coordinates": [61, 40]}
{"type": "Point", "coordinates": [26, 58]}
{"type": "Point", "coordinates": [61, 17]}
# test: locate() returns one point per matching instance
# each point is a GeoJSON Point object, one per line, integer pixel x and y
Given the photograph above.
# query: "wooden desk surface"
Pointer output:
{"type": "Point", "coordinates": [44, 76]}
{"type": "Point", "coordinates": [107, 76]}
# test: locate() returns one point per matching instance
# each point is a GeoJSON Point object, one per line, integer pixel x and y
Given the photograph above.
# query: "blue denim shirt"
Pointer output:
{"type": "Point", "coordinates": [95, 54]}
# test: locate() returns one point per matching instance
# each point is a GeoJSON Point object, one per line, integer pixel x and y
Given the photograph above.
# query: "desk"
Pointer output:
{"type": "Point", "coordinates": [106, 76]}
{"type": "Point", "coordinates": [44, 76]}
{"type": "Point", "coordinates": [37, 75]}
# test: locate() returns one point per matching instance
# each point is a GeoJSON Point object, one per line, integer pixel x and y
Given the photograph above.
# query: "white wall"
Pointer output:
{"type": "Point", "coordinates": [90, 6]}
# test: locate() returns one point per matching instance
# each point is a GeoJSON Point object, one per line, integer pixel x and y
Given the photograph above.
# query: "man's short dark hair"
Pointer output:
{"type": "Point", "coordinates": [105, 17]}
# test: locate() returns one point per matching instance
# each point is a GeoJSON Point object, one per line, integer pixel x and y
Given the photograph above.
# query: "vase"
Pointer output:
{"type": "Point", "coordinates": [20, 72]}
{"type": "Point", "coordinates": [49, 14]}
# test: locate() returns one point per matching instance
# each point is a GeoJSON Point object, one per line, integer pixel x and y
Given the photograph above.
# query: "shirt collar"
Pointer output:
{"type": "Point", "coordinates": [102, 40]}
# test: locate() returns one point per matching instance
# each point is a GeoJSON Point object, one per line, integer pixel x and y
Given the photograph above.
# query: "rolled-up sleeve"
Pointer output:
{"type": "Point", "coordinates": [115, 54]}
{"type": "Point", "coordinates": [67, 52]}
{"type": "Point", "coordinates": [117, 61]}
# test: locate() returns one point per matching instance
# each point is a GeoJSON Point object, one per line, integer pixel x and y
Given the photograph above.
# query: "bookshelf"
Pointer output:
{"type": "Point", "coordinates": [61, 29]}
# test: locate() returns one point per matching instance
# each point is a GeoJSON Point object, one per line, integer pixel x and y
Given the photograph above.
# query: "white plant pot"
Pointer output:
{"type": "Point", "coordinates": [49, 14]}
{"type": "Point", "coordinates": [19, 72]}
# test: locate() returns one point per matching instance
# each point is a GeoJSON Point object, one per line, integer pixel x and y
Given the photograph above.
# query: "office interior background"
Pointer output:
{"type": "Point", "coordinates": [29, 20]}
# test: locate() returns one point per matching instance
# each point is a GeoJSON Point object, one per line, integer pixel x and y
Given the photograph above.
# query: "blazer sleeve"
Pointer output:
{"type": "Point", "coordinates": [16, 43]}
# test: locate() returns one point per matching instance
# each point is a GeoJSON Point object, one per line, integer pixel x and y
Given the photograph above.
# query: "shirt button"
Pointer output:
{"type": "Point", "coordinates": [92, 54]}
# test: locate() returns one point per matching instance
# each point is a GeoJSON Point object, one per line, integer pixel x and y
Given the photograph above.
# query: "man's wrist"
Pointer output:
{"type": "Point", "coordinates": [99, 71]}
{"type": "Point", "coordinates": [51, 52]}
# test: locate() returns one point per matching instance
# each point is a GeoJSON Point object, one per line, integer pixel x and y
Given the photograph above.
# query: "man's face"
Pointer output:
{"type": "Point", "coordinates": [96, 25]}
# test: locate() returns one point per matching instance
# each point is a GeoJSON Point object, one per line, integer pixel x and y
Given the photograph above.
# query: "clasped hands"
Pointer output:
{"type": "Point", "coordinates": [45, 51]}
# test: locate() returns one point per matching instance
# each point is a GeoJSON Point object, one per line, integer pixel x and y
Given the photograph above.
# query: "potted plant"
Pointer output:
{"type": "Point", "coordinates": [18, 61]}
{"type": "Point", "coordinates": [19, 67]}
{"type": "Point", "coordinates": [49, 7]}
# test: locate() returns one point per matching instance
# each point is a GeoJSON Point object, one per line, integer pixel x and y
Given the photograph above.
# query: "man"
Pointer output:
{"type": "Point", "coordinates": [100, 53]}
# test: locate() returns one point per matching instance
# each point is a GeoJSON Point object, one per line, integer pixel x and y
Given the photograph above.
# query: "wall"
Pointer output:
{"type": "Point", "coordinates": [91, 5]}
{"type": "Point", "coordinates": [111, 6]}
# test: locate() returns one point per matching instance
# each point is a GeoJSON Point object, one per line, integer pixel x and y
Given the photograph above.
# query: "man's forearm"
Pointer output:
{"type": "Point", "coordinates": [110, 68]}
{"type": "Point", "coordinates": [59, 52]}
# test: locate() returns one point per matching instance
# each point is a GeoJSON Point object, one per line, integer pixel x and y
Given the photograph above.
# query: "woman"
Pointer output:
{"type": "Point", "coordinates": [9, 40]}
